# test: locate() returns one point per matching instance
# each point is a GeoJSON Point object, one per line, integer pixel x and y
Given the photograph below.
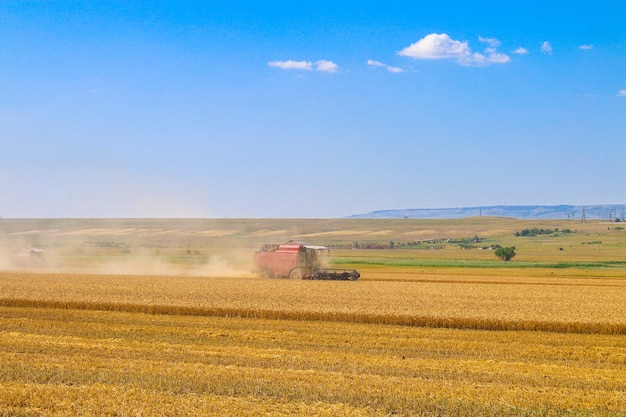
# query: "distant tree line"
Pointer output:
{"type": "Point", "coordinates": [536, 231]}
{"type": "Point", "coordinates": [436, 243]}
{"type": "Point", "coordinates": [427, 244]}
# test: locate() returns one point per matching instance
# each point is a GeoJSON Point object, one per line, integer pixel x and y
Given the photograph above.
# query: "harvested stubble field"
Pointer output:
{"type": "Point", "coordinates": [423, 332]}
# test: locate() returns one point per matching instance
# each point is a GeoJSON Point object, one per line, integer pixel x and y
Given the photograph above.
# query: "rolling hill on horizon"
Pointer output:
{"type": "Point", "coordinates": [611, 212]}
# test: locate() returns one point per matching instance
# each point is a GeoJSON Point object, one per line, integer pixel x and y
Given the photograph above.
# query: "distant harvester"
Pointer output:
{"type": "Point", "coordinates": [28, 258]}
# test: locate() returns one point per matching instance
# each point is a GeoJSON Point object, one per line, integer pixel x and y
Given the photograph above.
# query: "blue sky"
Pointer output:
{"type": "Point", "coordinates": [316, 109]}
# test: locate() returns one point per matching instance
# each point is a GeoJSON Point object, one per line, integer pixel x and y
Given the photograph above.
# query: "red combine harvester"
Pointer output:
{"type": "Point", "coordinates": [297, 260]}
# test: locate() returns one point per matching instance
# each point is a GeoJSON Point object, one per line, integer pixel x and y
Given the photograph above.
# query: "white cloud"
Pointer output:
{"type": "Point", "coordinates": [441, 46]}
{"type": "Point", "coordinates": [375, 63]}
{"type": "Point", "coordinates": [621, 93]}
{"type": "Point", "coordinates": [387, 67]}
{"type": "Point", "coordinates": [328, 66]}
{"type": "Point", "coordinates": [546, 48]}
{"type": "Point", "coordinates": [286, 65]}
{"type": "Point", "coordinates": [321, 65]}
{"type": "Point", "coordinates": [396, 70]}
{"type": "Point", "coordinates": [585, 47]}
{"type": "Point", "coordinates": [520, 51]}
{"type": "Point", "coordinates": [436, 46]}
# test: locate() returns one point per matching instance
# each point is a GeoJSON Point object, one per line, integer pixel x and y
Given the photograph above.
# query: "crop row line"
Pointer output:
{"type": "Point", "coordinates": [388, 319]}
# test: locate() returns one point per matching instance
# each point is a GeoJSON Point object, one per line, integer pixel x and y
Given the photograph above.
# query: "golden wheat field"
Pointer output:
{"type": "Point", "coordinates": [133, 319]}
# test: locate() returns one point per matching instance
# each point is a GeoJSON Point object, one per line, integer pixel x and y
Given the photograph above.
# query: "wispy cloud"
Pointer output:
{"type": "Point", "coordinates": [621, 93]}
{"type": "Point", "coordinates": [546, 48]}
{"type": "Point", "coordinates": [492, 57]}
{"type": "Point", "coordinates": [492, 42]}
{"type": "Point", "coordinates": [585, 47]}
{"type": "Point", "coordinates": [520, 51]}
{"type": "Point", "coordinates": [385, 66]}
{"type": "Point", "coordinates": [321, 65]}
{"type": "Point", "coordinates": [442, 46]}
{"type": "Point", "coordinates": [296, 65]}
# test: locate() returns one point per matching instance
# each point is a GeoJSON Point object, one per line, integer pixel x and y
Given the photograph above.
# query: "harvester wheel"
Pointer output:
{"type": "Point", "coordinates": [296, 274]}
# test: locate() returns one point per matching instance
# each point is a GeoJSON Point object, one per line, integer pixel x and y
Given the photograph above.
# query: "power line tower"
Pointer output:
{"type": "Point", "coordinates": [584, 216]}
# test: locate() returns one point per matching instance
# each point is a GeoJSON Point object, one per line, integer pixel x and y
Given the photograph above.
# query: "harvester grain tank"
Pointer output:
{"type": "Point", "coordinates": [298, 260]}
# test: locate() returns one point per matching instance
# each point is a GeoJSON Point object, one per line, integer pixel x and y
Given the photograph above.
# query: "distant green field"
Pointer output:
{"type": "Point", "coordinates": [452, 263]}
